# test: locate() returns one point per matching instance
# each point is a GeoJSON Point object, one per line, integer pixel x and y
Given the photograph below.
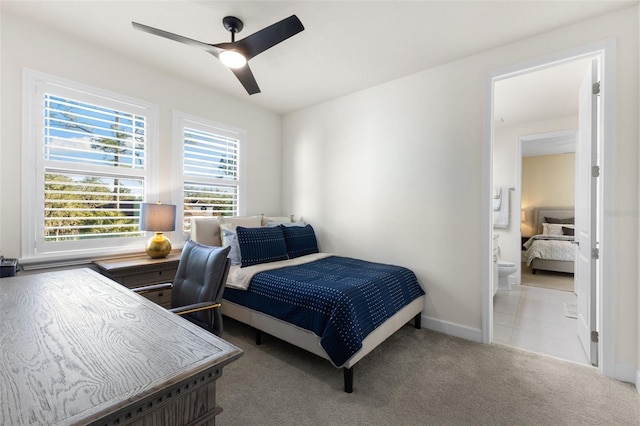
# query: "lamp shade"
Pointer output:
{"type": "Point", "coordinates": [157, 217]}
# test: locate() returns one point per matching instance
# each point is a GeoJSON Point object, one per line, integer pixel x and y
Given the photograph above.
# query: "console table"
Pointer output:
{"type": "Point", "coordinates": [78, 348]}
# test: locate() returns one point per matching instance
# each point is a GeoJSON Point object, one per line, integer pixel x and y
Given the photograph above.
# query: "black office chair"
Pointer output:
{"type": "Point", "coordinates": [197, 289]}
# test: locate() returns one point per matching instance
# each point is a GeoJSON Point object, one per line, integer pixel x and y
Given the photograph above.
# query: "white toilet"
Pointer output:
{"type": "Point", "coordinates": [504, 270]}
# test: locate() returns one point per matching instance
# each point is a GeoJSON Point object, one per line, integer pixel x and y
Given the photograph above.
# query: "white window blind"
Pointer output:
{"type": "Point", "coordinates": [91, 152]}
{"type": "Point", "coordinates": [211, 177]}
{"type": "Point", "coordinates": [79, 132]}
{"type": "Point", "coordinates": [85, 205]}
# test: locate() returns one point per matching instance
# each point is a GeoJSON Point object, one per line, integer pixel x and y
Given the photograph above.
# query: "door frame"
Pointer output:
{"type": "Point", "coordinates": [605, 50]}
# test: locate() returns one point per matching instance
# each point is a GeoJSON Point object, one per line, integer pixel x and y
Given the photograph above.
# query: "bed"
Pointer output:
{"type": "Point", "coordinates": [341, 317]}
{"type": "Point", "coordinates": [552, 247]}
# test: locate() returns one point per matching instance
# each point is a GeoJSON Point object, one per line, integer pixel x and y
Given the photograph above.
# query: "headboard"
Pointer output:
{"type": "Point", "coordinates": [539, 213]}
{"type": "Point", "coordinates": [206, 230]}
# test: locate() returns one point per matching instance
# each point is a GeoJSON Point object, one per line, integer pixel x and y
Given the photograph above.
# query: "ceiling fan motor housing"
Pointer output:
{"type": "Point", "coordinates": [232, 24]}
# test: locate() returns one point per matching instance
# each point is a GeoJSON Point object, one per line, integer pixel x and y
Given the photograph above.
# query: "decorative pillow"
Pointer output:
{"type": "Point", "coordinates": [568, 231]}
{"type": "Point", "coordinates": [569, 220]}
{"type": "Point", "coordinates": [261, 245]}
{"type": "Point", "coordinates": [301, 240]}
{"type": "Point", "coordinates": [228, 225]}
{"type": "Point", "coordinates": [230, 238]}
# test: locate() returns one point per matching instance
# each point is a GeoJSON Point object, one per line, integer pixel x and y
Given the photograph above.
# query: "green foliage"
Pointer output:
{"type": "Point", "coordinates": [86, 208]}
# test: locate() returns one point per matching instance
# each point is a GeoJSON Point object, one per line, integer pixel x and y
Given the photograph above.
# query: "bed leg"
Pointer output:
{"type": "Point", "coordinates": [258, 337]}
{"type": "Point", "coordinates": [533, 271]}
{"type": "Point", "coordinates": [348, 379]}
{"type": "Point", "coordinates": [417, 321]}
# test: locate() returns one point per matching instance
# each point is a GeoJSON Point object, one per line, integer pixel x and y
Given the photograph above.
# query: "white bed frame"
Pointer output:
{"type": "Point", "coordinates": [207, 231]}
{"type": "Point", "coordinates": [539, 213]}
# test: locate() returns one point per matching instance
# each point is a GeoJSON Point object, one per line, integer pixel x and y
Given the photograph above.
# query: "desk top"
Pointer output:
{"type": "Point", "coordinates": [76, 346]}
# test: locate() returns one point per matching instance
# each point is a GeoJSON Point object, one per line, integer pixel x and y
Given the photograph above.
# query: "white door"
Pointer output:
{"type": "Point", "coordinates": [585, 223]}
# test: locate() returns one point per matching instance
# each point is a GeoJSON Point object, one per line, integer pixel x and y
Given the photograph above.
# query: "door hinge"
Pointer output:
{"type": "Point", "coordinates": [595, 253]}
{"type": "Point", "coordinates": [595, 171]}
{"type": "Point", "coordinates": [595, 89]}
{"type": "Point", "coordinates": [594, 336]}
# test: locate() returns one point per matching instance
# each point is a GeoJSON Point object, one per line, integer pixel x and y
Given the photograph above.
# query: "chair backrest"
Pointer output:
{"type": "Point", "coordinates": [201, 277]}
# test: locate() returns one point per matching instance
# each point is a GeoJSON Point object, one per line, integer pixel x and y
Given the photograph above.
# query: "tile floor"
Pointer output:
{"type": "Point", "coordinates": [533, 319]}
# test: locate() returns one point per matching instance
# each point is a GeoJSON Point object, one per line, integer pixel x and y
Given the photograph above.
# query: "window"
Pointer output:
{"type": "Point", "coordinates": [92, 153]}
{"type": "Point", "coordinates": [209, 170]}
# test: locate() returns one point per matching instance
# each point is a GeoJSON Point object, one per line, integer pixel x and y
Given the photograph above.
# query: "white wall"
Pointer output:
{"type": "Point", "coordinates": [637, 381]}
{"type": "Point", "coordinates": [25, 44]}
{"type": "Point", "coordinates": [394, 173]}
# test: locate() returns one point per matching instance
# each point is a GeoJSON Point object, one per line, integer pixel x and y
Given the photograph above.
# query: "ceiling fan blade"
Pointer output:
{"type": "Point", "coordinates": [266, 38]}
{"type": "Point", "coordinates": [214, 50]}
{"type": "Point", "coordinates": [247, 79]}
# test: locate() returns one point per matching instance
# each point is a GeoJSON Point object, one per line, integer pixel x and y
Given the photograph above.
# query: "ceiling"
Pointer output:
{"type": "Point", "coordinates": [550, 93]}
{"type": "Point", "coordinates": [346, 46]}
{"type": "Point", "coordinates": [556, 143]}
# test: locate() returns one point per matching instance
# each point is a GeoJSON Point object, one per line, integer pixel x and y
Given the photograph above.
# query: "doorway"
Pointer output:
{"type": "Point", "coordinates": [538, 312]}
{"type": "Point", "coordinates": [605, 52]}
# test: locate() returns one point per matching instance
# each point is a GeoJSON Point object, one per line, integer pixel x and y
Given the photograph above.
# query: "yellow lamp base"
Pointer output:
{"type": "Point", "coordinates": [158, 246]}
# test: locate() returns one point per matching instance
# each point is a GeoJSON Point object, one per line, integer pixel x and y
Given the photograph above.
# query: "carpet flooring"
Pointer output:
{"type": "Point", "coordinates": [416, 377]}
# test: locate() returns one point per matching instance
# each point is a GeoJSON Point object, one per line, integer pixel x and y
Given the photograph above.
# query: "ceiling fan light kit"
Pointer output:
{"type": "Point", "coordinates": [236, 53]}
{"type": "Point", "coordinates": [233, 59]}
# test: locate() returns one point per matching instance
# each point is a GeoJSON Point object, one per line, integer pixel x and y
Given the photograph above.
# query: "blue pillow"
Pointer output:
{"type": "Point", "coordinates": [301, 240]}
{"type": "Point", "coordinates": [261, 245]}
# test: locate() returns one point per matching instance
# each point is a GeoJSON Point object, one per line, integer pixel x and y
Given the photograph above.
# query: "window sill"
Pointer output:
{"type": "Point", "coordinates": [75, 260]}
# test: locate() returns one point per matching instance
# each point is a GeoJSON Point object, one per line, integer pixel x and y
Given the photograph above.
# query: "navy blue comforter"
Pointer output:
{"type": "Point", "coordinates": [339, 299]}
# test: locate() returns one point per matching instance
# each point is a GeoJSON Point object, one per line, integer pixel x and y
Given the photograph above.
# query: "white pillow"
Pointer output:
{"type": "Point", "coordinates": [300, 223]}
{"type": "Point", "coordinates": [267, 220]}
{"type": "Point", "coordinates": [246, 221]}
{"type": "Point", "coordinates": [555, 228]}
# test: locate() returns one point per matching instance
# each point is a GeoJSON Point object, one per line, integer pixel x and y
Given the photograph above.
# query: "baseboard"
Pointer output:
{"type": "Point", "coordinates": [627, 373]}
{"type": "Point", "coordinates": [453, 329]}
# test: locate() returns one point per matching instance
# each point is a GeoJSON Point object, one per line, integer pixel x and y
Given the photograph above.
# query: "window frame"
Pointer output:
{"type": "Point", "coordinates": [182, 120]}
{"type": "Point", "coordinates": [34, 165]}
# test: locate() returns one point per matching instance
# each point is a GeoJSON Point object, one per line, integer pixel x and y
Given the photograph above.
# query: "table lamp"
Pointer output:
{"type": "Point", "coordinates": [158, 218]}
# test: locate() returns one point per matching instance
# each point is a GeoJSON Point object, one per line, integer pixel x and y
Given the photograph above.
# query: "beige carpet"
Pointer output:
{"type": "Point", "coordinates": [417, 377]}
{"type": "Point", "coordinates": [547, 279]}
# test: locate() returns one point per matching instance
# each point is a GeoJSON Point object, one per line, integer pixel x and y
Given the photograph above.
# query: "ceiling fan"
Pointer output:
{"type": "Point", "coordinates": [236, 53]}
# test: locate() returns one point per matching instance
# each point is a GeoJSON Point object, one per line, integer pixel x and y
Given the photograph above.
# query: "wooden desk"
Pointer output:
{"type": "Point", "coordinates": [78, 348]}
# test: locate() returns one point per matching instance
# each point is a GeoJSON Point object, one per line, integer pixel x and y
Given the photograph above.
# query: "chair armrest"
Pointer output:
{"type": "Point", "coordinates": [151, 288]}
{"type": "Point", "coordinates": [195, 307]}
